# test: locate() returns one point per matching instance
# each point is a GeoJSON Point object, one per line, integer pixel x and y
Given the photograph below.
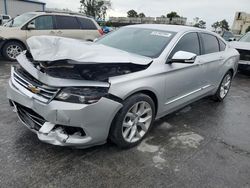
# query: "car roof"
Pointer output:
{"type": "Point", "coordinates": [59, 13]}
{"type": "Point", "coordinates": [164, 27]}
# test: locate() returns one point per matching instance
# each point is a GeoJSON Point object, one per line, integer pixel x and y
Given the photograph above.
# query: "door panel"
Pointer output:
{"type": "Point", "coordinates": [212, 58]}
{"type": "Point", "coordinates": [184, 81]}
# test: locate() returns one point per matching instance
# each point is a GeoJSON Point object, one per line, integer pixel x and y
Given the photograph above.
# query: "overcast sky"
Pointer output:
{"type": "Point", "coordinates": [208, 10]}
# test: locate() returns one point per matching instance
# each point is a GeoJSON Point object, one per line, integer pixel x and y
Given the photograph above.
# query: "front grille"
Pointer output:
{"type": "Point", "coordinates": [29, 117]}
{"type": "Point", "coordinates": [244, 54]}
{"type": "Point", "coordinates": [43, 92]}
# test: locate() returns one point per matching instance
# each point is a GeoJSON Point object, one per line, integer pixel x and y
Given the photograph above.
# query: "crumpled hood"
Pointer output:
{"type": "Point", "coordinates": [240, 45]}
{"type": "Point", "coordinates": [50, 48]}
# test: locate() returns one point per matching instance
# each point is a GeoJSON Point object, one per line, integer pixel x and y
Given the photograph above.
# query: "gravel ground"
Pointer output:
{"type": "Point", "coordinates": [206, 144]}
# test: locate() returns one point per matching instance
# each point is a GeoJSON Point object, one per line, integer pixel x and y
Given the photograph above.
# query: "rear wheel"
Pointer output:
{"type": "Point", "coordinates": [133, 121]}
{"type": "Point", "coordinates": [12, 49]}
{"type": "Point", "coordinates": [224, 87]}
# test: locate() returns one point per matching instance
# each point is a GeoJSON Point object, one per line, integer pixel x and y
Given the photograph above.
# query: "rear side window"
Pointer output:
{"type": "Point", "coordinates": [43, 23]}
{"type": "Point", "coordinates": [66, 22]}
{"type": "Point", "coordinates": [188, 43]}
{"type": "Point", "coordinates": [222, 45]}
{"type": "Point", "coordinates": [210, 43]}
{"type": "Point", "coordinates": [87, 24]}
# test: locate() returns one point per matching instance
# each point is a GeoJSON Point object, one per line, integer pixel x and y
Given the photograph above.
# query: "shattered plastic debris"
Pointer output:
{"type": "Point", "coordinates": [186, 139]}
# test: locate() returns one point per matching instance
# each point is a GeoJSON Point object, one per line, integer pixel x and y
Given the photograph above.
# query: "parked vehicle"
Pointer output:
{"type": "Point", "coordinates": [228, 36]}
{"type": "Point", "coordinates": [72, 93]}
{"type": "Point", "coordinates": [14, 34]}
{"type": "Point", "coordinates": [243, 47]}
{"type": "Point", "coordinates": [4, 18]}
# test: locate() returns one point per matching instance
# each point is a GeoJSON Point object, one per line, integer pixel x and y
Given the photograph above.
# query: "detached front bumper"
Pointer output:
{"type": "Point", "coordinates": [48, 120]}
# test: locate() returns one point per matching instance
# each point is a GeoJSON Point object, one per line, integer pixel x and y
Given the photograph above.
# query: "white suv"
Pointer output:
{"type": "Point", "coordinates": [13, 34]}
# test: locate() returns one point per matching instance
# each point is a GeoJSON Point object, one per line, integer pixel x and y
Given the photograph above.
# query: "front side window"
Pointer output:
{"type": "Point", "coordinates": [188, 43]}
{"type": "Point", "coordinates": [67, 22]}
{"type": "Point", "coordinates": [20, 20]}
{"type": "Point", "coordinates": [210, 43]}
{"type": "Point", "coordinates": [43, 23]}
{"type": "Point", "coordinates": [141, 41]}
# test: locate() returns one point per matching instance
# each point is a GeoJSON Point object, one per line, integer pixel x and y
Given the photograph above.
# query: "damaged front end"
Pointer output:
{"type": "Point", "coordinates": [64, 101]}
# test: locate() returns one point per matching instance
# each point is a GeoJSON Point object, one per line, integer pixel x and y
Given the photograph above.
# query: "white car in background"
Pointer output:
{"type": "Point", "coordinates": [243, 47]}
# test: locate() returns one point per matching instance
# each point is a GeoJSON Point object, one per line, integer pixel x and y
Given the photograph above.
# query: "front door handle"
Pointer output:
{"type": "Point", "coordinates": [59, 32]}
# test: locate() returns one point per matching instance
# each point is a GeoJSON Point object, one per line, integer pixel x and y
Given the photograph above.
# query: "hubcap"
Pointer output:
{"type": "Point", "coordinates": [225, 86]}
{"type": "Point", "coordinates": [137, 121]}
{"type": "Point", "coordinates": [13, 51]}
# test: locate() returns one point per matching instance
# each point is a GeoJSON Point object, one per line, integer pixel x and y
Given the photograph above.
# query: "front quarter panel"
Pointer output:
{"type": "Point", "coordinates": [152, 79]}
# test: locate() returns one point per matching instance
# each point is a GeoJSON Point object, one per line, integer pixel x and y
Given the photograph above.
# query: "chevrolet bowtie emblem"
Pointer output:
{"type": "Point", "coordinates": [33, 89]}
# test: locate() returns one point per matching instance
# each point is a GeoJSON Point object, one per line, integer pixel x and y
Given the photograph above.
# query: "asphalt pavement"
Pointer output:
{"type": "Point", "coordinates": [206, 144]}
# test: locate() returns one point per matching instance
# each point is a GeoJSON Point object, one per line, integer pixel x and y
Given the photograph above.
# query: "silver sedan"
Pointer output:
{"type": "Point", "coordinates": [74, 93]}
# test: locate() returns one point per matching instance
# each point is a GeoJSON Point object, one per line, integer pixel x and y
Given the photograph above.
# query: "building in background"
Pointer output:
{"type": "Point", "coordinates": [17, 7]}
{"type": "Point", "coordinates": [241, 23]}
{"type": "Point", "coordinates": [122, 21]}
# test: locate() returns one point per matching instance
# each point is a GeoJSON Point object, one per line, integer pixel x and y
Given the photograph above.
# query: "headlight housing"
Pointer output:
{"type": "Point", "coordinates": [82, 95]}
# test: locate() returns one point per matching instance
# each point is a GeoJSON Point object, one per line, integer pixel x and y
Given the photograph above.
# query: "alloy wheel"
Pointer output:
{"type": "Point", "coordinates": [13, 51]}
{"type": "Point", "coordinates": [225, 86]}
{"type": "Point", "coordinates": [137, 121]}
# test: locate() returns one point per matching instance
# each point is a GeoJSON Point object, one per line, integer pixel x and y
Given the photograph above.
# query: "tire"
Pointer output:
{"type": "Point", "coordinates": [224, 87]}
{"type": "Point", "coordinates": [130, 121]}
{"type": "Point", "coordinates": [11, 49]}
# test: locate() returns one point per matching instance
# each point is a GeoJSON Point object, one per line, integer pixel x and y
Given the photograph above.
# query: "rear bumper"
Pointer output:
{"type": "Point", "coordinates": [94, 119]}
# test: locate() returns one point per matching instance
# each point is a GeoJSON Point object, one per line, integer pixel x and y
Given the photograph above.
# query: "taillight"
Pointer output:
{"type": "Point", "coordinates": [101, 31]}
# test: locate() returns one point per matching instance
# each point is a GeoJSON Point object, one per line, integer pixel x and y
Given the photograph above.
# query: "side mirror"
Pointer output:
{"type": "Point", "coordinates": [31, 26]}
{"type": "Point", "coordinates": [183, 57]}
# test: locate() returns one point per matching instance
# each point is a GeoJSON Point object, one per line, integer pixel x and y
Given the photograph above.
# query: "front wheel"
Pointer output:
{"type": "Point", "coordinates": [224, 87]}
{"type": "Point", "coordinates": [133, 121]}
{"type": "Point", "coordinates": [12, 49]}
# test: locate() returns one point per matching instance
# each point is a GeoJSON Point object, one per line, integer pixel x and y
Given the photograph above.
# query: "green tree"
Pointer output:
{"type": "Point", "coordinates": [248, 29]}
{"type": "Point", "coordinates": [200, 24]}
{"type": "Point", "coordinates": [216, 25]}
{"type": "Point", "coordinates": [224, 25]}
{"type": "Point", "coordinates": [141, 15]}
{"type": "Point", "coordinates": [172, 15]}
{"type": "Point", "coordinates": [95, 8]}
{"type": "Point", "coordinates": [132, 14]}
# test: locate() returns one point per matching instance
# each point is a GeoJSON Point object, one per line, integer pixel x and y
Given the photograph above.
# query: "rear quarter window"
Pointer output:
{"type": "Point", "coordinates": [222, 45]}
{"type": "Point", "coordinates": [67, 22]}
{"type": "Point", "coordinates": [87, 24]}
{"type": "Point", "coordinates": [210, 43]}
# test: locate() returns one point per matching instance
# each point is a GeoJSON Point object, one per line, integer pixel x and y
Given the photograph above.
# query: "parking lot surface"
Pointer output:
{"type": "Point", "coordinates": [206, 144]}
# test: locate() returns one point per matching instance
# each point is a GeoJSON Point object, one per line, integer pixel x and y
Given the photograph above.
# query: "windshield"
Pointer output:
{"type": "Point", "coordinates": [145, 42]}
{"type": "Point", "coordinates": [19, 20]}
{"type": "Point", "coordinates": [245, 38]}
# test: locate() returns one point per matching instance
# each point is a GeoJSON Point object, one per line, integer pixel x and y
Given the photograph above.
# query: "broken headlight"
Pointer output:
{"type": "Point", "coordinates": [83, 95]}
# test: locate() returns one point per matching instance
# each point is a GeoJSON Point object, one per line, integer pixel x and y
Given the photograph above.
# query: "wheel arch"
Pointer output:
{"type": "Point", "coordinates": [149, 93]}
{"type": "Point", "coordinates": [14, 40]}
